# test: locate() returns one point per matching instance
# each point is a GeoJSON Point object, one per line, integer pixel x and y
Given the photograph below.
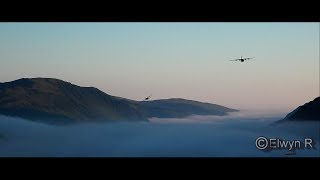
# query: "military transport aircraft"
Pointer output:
{"type": "Point", "coordinates": [241, 59]}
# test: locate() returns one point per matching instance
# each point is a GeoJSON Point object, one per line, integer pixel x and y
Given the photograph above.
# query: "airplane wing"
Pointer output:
{"type": "Point", "coordinates": [248, 58]}
{"type": "Point", "coordinates": [235, 60]}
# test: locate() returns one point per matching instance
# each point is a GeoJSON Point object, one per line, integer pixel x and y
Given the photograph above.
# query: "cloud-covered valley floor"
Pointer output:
{"type": "Point", "coordinates": [195, 136]}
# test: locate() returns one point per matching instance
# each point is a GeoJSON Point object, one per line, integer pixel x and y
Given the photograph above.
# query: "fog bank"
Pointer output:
{"type": "Point", "coordinates": [232, 136]}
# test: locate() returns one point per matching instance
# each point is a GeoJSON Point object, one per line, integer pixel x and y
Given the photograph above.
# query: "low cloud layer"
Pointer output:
{"type": "Point", "coordinates": [244, 115]}
{"type": "Point", "coordinates": [232, 136]}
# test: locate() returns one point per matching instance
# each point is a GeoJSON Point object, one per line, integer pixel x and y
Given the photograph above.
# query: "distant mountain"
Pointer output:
{"type": "Point", "coordinates": [307, 112]}
{"type": "Point", "coordinates": [53, 99]}
{"type": "Point", "coordinates": [178, 108]}
{"type": "Point", "coordinates": [57, 101]}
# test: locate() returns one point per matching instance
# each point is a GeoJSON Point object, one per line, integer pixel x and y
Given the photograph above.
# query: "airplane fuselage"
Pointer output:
{"type": "Point", "coordinates": [241, 59]}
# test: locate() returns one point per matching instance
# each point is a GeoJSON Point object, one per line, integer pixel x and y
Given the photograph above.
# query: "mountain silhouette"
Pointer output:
{"type": "Point", "coordinates": [56, 101]}
{"type": "Point", "coordinates": [307, 112]}
{"type": "Point", "coordinates": [179, 108]}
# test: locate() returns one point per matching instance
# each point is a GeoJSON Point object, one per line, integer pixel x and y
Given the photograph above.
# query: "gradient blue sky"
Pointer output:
{"type": "Point", "coordinates": [186, 60]}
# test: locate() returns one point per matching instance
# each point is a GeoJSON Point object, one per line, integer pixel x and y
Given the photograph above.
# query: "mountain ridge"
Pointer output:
{"type": "Point", "coordinates": [55, 100]}
{"type": "Point", "coordinates": [309, 111]}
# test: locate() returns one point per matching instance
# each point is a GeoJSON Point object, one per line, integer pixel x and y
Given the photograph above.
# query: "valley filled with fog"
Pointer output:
{"type": "Point", "coordinates": [196, 136]}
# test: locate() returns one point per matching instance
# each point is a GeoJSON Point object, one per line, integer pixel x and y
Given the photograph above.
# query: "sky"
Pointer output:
{"type": "Point", "coordinates": [172, 60]}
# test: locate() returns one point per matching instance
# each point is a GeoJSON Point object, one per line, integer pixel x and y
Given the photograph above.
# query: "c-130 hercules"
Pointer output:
{"type": "Point", "coordinates": [241, 59]}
